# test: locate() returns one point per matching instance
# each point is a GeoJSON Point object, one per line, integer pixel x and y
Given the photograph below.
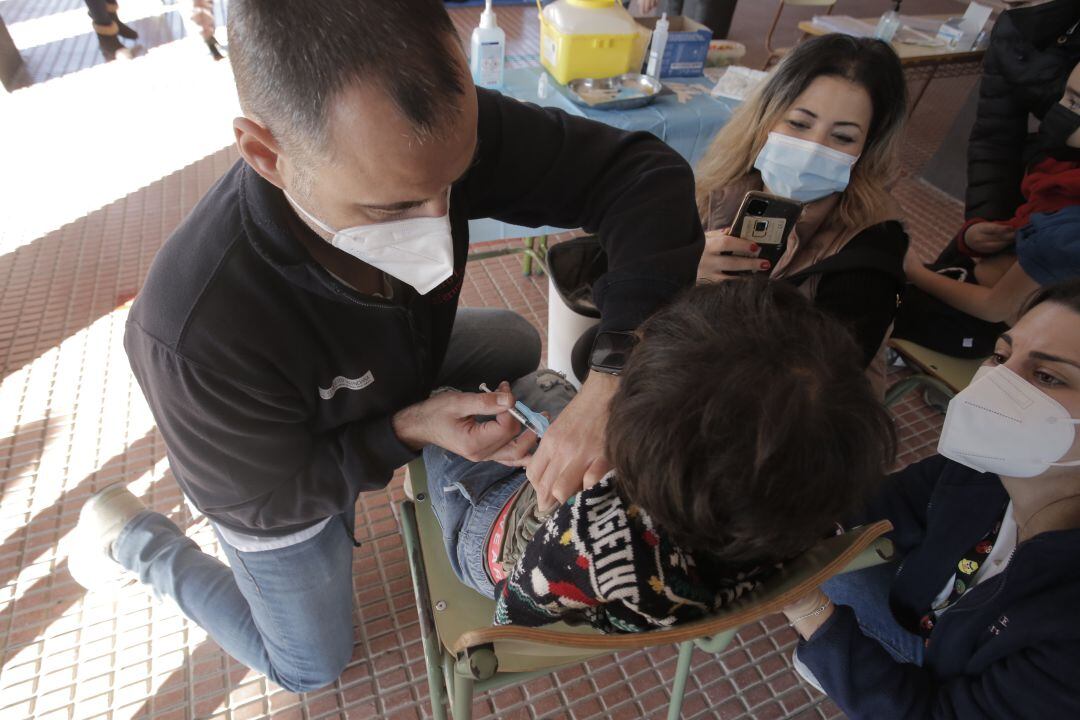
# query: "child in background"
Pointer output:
{"type": "Point", "coordinates": [743, 428]}
{"type": "Point", "coordinates": [961, 310]}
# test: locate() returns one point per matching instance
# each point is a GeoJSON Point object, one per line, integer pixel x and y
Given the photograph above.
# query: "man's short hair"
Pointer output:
{"type": "Point", "coordinates": [291, 59]}
{"type": "Point", "coordinates": [744, 423]}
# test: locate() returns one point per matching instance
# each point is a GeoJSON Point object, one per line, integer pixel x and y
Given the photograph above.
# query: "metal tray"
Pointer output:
{"type": "Point", "coordinates": [621, 92]}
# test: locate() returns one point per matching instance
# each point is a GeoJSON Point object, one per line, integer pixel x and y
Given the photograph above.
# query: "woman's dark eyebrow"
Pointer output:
{"type": "Point", "coordinates": [1053, 358]}
{"type": "Point", "coordinates": [815, 116]}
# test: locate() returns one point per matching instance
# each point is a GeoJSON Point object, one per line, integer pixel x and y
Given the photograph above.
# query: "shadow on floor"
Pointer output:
{"type": "Point", "coordinates": [51, 522]}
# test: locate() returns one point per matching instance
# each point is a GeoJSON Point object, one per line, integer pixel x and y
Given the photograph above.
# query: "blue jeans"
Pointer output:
{"type": "Point", "coordinates": [866, 592]}
{"type": "Point", "coordinates": [467, 498]}
{"type": "Point", "coordinates": [287, 612]}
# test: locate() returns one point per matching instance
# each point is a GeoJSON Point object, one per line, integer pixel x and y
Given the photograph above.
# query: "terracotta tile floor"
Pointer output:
{"type": "Point", "coordinates": [100, 163]}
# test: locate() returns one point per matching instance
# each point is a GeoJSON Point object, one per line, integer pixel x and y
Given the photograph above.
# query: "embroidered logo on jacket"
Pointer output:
{"type": "Point", "coordinates": [348, 383]}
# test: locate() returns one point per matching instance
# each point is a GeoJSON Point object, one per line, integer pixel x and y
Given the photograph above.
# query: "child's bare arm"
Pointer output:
{"type": "Point", "coordinates": [999, 303]}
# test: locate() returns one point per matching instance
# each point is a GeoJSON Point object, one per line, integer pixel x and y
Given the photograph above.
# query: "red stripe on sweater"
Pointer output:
{"type": "Point", "coordinates": [571, 592]}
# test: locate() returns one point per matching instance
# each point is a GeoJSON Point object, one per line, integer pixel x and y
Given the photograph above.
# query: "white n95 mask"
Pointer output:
{"type": "Point", "coordinates": [417, 251]}
{"type": "Point", "coordinates": [802, 170]}
{"type": "Point", "coordinates": [1003, 424]}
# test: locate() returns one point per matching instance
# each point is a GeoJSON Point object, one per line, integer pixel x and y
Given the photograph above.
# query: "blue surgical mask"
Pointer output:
{"type": "Point", "coordinates": [802, 170]}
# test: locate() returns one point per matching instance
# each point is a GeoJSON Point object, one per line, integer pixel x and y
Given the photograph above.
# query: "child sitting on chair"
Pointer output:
{"type": "Point", "coordinates": [743, 428]}
{"type": "Point", "coordinates": [960, 305]}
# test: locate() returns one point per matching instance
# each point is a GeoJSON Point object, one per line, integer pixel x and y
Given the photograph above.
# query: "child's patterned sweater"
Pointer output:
{"type": "Point", "coordinates": [602, 561]}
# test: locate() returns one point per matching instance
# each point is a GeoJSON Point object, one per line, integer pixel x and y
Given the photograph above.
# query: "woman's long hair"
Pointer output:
{"type": "Point", "coordinates": [869, 63]}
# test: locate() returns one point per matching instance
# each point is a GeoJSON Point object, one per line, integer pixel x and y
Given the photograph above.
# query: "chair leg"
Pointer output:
{"type": "Point", "coordinates": [769, 49]}
{"type": "Point", "coordinates": [436, 681]}
{"type": "Point", "coordinates": [902, 387]}
{"type": "Point", "coordinates": [922, 88]}
{"type": "Point", "coordinates": [463, 697]}
{"type": "Point", "coordinates": [432, 650]}
{"type": "Point", "coordinates": [526, 259]}
{"type": "Point", "coordinates": [682, 672]}
{"type": "Point", "coordinates": [541, 252]}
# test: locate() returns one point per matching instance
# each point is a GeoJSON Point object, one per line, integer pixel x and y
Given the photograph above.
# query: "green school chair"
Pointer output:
{"type": "Point", "coordinates": [532, 250]}
{"type": "Point", "coordinates": [464, 653]}
{"type": "Point", "coordinates": [943, 373]}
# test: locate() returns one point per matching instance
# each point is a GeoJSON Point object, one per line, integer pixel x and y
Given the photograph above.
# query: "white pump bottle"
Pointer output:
{"type": "Point", "coordinates": [659, 44]}
{"type": "Point", "coordinates": [488, 51]}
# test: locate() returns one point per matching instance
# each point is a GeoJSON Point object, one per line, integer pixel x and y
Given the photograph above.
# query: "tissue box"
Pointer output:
{"type": "Point", "coordinates": [687, 46]}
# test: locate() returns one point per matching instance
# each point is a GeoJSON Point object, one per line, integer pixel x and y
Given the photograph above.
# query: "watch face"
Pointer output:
{"type": "Point", "coordinates": [611, 350]}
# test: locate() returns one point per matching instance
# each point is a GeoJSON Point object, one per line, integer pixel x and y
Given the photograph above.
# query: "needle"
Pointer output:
{"type": "Point", "coordinates": [528, 418]}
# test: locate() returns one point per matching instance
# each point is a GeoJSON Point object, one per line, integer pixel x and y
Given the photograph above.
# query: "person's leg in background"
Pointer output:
{"type": "Point", "coordinates": [202, 14]}
{"type": "Point", "coordinates": [713, 14]}
{"type": "Point", "coordinates": [489, 345]}
{"type": "Point", "coordinates": [284, 612]}
{"type": "Point", "coordinates": [99, 12]}
{"type": "Point", "coordinates": [672, 7]}
{"type": "Point", "coordinates": [109, 28]}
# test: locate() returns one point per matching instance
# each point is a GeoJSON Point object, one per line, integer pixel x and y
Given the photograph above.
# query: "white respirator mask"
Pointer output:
{"type": "Point", "coordinates": [417, 251]}
{"type": "Point", "coordinates": [1003, 424]}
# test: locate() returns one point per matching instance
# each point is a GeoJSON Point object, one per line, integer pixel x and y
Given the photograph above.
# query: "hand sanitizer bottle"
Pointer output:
{"type": "Point", "coordinates": [488, 48]}
{"type": "Point", "coordinates": [888, 24]}
{"type": "Point", "coordinates": [656, 50]}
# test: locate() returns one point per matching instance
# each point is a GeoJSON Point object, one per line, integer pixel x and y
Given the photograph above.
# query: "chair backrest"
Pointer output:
{"type": "Point", "coordinates": [461, 618]}
{"type": "Point", "coordinates": [954, 372]}
{"type": "Point", "coordinates": [796, 580]}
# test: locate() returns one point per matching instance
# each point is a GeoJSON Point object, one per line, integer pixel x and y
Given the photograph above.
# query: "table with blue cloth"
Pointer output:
{"type": "Point", "coordinates": [686, 118]}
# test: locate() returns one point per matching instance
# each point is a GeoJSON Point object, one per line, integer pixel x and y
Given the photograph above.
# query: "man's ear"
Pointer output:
{"type": "Point", "coordinates": [259, 148]}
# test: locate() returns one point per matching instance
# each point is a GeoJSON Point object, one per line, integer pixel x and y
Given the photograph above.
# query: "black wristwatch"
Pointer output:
{"type": "Point", "coordinates": [610, 351]}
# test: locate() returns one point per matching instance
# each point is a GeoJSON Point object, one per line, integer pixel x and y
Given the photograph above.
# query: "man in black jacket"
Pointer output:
{"type": "Point", "coordinates": [290, 332]}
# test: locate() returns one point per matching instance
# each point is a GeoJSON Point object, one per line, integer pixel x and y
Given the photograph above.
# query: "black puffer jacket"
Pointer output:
{"type": "Point", "coordinates": [1032, 51]}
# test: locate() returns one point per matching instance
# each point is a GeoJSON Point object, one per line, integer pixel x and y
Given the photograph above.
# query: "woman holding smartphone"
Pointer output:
{"type": "Point", "coordinates": [823, 130]}
{"type": "Point", "coordinates": [979, 618]}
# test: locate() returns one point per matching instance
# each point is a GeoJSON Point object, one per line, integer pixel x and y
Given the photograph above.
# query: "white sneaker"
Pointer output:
{"type": "Point", "coordinates": [90, 557]}
{"type": "Point", "coordinates": [804, 672]}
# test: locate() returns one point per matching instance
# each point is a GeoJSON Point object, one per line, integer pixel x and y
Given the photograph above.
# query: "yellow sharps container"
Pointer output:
{"type": "Point", "coordinates": [586, 39]}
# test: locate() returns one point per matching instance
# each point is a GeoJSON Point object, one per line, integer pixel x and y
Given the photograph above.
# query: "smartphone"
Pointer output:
{"type": "Point", "coordinates": [768, 221]}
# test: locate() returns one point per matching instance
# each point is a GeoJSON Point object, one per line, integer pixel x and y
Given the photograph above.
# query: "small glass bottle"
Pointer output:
{"type": "Point", "coordinates": [888, 24]}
